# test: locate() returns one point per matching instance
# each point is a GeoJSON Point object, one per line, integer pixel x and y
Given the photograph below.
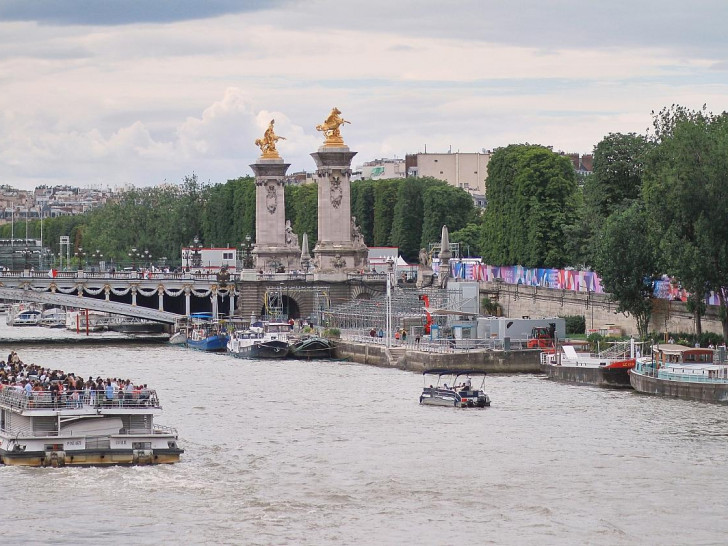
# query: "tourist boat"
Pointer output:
{"type": "Point", "coordinates": [609, 368]}
{"type": "Point", "coordinates": [269, 340]}
{"type": "Point", "coordinates": [460, 393]}
{"type": "Point", "coordinates": [28, 317]}
{"type": "Point", "coordinates": [47, 429]}
{"type": "Point", "coordinates": [312, 347]}
{"type": "Point", "coordinates": [53, 318]}
{"type": "Point", "coordinates": [206, 335]}
{"type": "Point", "coordinates": [682, 372]}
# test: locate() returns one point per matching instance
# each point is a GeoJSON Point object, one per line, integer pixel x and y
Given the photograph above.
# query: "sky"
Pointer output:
{"type": "Point", "coordinates": [144, 92]}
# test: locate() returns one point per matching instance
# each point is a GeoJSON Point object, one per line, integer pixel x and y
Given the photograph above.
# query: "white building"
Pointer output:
{"type": "Point", "coordinates": [380, 169]}
{"type": "Point", "coordinates": [210, 259]}
{"type": "Point", "coordinates": [468, 171]}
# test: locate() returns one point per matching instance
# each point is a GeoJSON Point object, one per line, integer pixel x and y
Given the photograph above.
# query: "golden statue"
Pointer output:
{"type": "Point", "coordinates": [267, 144]}
{"type": "Point", "coordinates": [330, 128]}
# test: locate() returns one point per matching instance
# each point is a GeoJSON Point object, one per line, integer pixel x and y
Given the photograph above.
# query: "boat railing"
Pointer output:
{"type": "Point", "coordinates": [16, 399]}
{"type": "Point", "coordinates": [441, 345]}
{"type": "Point", "coordinates": [671, 375]}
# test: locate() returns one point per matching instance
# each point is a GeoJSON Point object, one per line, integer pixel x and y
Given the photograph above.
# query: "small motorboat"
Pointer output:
{"type": "Point", "coordinates": [459, 393]}
{"type": "Point", "coordinates": [270, 340]}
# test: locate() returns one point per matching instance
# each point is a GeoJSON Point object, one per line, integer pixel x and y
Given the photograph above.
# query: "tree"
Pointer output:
{"type": "Point", "coordinates": [444, 205]}
{"type": "Point", "coordinates": [531, 198]}
{"type": "Point", "coordinates": [302, 210]}
{"type": "Point", "coordinates": [618, 171]}
{"type": "Point", "coordinates": [407, 219]}
{"type": "Point", "coordinates": [385, 198]}
{"type": "Point", "coordinates": [627, 265]}
{"type": "Point", "coordinates": [469, 238]}
{"type": "Point", "coordinates": [362, 206]}
{"type": "Point", "coordinates": [686, 192]}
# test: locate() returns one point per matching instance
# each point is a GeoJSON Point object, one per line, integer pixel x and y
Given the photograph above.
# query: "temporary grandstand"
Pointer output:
{"type": "Point", "coordinates": [408, 307]}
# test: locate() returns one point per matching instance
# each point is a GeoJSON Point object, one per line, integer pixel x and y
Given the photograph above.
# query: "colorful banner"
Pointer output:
{"type": "Point", "coordinates": [562, 279]}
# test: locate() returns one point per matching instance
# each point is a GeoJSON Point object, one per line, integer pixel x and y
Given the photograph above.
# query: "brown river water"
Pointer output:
{"type": "Point", "coordinates": [293, 452]}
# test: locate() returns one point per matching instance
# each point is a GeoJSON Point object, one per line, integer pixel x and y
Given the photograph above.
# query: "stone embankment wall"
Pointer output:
{"type": "Point", "coordinates": [598, 310]}
{"type": "Point", "coordinates": [408, 358]}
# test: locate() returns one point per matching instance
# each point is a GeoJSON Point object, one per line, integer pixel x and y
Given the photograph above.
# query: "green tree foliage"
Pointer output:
{"type": "Point", "coordinates": [626, 264]}
{"type": "Point", "coordinates": [470, 239]}
{"type": "Point", "coordinates": [531, 199]}
{"type": "Point", "coordinates": [407, 219]}
{"type": "Point", "coordinates": [618, 171]}
{"type": "Point", "coordinates": [385, 198]}
{"type": "Point", "coordinates": [302, 210]}
{"type": "Point", "coordinates": [614, 185]}
{"type": "Point", "coordinates": [686, 192]}
{"type": "Point", "coordinates": [443, 204]}
{"type": "Point", "coordinates": [362, 206]}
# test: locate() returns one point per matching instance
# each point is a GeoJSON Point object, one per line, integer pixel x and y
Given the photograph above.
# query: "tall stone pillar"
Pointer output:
{"type": "Point", "coordinates": [340, 245]}
{"type": "Point", "coordinates": [276, 246]}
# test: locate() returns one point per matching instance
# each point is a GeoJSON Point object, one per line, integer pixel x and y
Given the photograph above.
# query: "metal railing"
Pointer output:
{"type": "Point", "coordinates": [437, 345]}
{"type": "Point", "coordinates": [16, 399]}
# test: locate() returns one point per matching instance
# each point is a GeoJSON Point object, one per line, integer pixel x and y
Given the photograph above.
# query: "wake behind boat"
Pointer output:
{"type": "Point", "coordinates": [460, 393]}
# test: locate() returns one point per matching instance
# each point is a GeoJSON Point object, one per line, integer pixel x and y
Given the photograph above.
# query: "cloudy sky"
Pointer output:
{"type": "Point", "coordinates": [109, 93]}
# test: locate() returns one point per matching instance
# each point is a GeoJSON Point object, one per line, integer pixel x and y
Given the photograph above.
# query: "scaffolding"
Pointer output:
{"type": "Point", "coordinates": [407, 308]}
{"type": "Point", "coordinates": [277, 301]}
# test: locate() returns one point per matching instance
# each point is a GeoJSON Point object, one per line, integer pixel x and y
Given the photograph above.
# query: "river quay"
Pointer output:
{"type": "Point", "coordinates": [417, 358]}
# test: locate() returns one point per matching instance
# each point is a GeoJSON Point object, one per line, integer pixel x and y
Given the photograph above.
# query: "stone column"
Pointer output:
{"type": "Point", "coordinates": [273, 242]}
{"type": "Point", "coordinates": [339, 246]}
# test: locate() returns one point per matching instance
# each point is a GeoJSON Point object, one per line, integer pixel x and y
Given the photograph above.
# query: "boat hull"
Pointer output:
{"type": "Point", "coordinates": [211, 344]}
{"type": "Point", "coordinates": [268, 349]}
{"type": "Point", "coordinates": [615, 378]}
{"type": "Point", "coordinates": [89, 458]}
{"type": "Point", "coordinates": [688, 390]}
{"type": "Point", "coordinates": [312, 349]}
{"type": "Point", "coordinates": [138, 328]}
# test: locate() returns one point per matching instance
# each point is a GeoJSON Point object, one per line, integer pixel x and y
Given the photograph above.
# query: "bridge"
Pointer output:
{"type": "Point", "coordinates": [93, 304]}
{"type": "Point", "coordinates": [165, 297]}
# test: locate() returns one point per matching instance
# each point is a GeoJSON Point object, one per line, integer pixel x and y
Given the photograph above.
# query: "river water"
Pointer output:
{"type": "Point", "coordinates": [320, 453]}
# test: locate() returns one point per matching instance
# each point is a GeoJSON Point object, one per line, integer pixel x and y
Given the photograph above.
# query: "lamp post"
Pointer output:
{"type": "Point", "coordinates": [390, 274]}
{"type": "Point", "coordinates": [247, 248]}
{"type": "Point", "coordinates": [186, 253]}
{"type": "Point", "coordinates": [133, 254]}
{"type": "Point", "coordinates": [80, 254]}
{"type": "Point", "coordinates": [196, 254]}
{"type": "Point", "coordinates": [98, 256]}
{"type": "Point", "coordinates": [147, 258]}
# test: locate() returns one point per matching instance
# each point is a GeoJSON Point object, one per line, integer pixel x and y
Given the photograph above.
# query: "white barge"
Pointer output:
{"type": "Point", "coordinates": [46, 428]}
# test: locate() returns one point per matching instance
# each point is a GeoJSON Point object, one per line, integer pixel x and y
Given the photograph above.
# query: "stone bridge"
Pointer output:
{"type": "Point", "coordinates": [166, 296]}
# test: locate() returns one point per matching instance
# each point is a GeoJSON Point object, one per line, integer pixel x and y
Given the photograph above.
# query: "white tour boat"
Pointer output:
{"type": "Point", "coordinates": [267, 341]}
{"type": "Point", "coordinates": [48, 428]}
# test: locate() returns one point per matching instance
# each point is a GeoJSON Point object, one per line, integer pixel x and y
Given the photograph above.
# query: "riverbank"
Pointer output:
{"type": "Point", "coordinates": [411, 359]}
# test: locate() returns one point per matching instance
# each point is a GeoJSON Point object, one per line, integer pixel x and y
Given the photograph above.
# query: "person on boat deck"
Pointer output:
{"type": "Point", "coordinates": [468, 383]}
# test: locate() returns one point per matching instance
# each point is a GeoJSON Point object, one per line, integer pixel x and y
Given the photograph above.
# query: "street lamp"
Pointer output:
{"type": "Point", "coordinates": [98, 256]}
{"type": "Point", "coordinates": [247, 251]}
{"type": "Point", "coordinates": [390, 276]}
{"type": "Point", "coordinates": [81, 255]}
{"type": "Point", "coordinates": [147, 256]}
{"type": "Point", "coordinates": [196, 254]}
{"type": "Point", "coordinates": [186, 254]}
{"type": "Point", "coordinates": [133, 254]}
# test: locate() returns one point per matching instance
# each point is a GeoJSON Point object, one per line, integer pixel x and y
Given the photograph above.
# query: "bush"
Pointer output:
{"type": "Point", "coordinates": [491, 307]}
{"type": "Point", "coordinates": [575, 324]}
{"type": "Point", "coordinates": [332, 333]}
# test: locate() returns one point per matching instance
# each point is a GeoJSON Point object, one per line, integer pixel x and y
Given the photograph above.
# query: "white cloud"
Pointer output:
{"type": "Point", "coordinates": [141, 103]}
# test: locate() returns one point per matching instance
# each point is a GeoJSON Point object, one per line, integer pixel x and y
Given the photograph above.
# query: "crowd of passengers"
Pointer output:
{"type": "Point", "coordinates": [68, 389]}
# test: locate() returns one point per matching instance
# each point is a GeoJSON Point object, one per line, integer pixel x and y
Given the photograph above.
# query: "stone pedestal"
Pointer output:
{"type": "Point", "coordinates": [276, 247]}
{"type": "Point", "coordinates": [339, 246]}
